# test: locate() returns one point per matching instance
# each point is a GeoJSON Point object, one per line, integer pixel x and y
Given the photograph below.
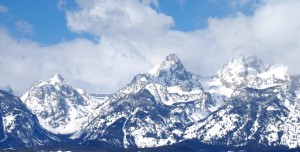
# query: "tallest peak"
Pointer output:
{"type": "Point", "coordinates": [57, 79]}
{"type": "Point", "coordinates": [171, 60]}
{"type": "Point", "coordinates": [172, 57]}
{"type": "Point", "coordinates": [58, 76]}
{"type": "Point", "coordinates": [171, 68]}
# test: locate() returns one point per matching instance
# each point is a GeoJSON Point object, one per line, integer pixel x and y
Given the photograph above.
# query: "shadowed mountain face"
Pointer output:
{"type": "Point", "coordinates": [20, 126]}
{"type": "Point", "coordinates": [247, 104]}
{"type": "Point", "coordinates": [2, 131]}
{"type": "Point", "coordinates": [153, 110]}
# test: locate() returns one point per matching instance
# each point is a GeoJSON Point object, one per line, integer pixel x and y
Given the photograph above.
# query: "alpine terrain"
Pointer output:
{"type": "Point", "coordinates": [18, 126]}
{"type": "Point", "coordinates": [59, 108]}
{"type": "Point", "coordinates": [247, 104]}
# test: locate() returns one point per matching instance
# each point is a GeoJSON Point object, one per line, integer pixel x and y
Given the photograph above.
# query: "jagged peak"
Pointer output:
{"type": "Point", "coordinates": [256, 63]}
{"type": "Point", "coordinates": [57, 76]}
{"type": "Point", "coordinates": [58, 79]}
{"type": "Point", "coordinates": [245, 59]}
{"type": "Point", "coordinates": [239, 58]}
{"type": "Point", "coordinates": [170, 71]}
{"type": "Point", "coordinates": [172, 57]}
{"type": "Point", "coordinates": [172, 61]}
{"type": "Point", "coordinates": [244, 62]}
{"type": "Point", "coordinates": [7, 89]}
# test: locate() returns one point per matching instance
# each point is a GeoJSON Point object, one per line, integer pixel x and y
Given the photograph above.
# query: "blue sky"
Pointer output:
{"type": "Point", "coordinates": [47, 23]}
{"type": "Point", "coordinates": [99, 45]}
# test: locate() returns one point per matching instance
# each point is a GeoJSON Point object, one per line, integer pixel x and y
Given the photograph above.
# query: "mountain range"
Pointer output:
{"type": "Point", "coordinates": [247, 104]}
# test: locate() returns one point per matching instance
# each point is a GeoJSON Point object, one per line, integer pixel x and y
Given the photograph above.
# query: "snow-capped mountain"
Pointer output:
{"type": "Point", "coordinates": [244, 72]}
{"type": "Point", "coordinates": [18, 126]}
{"type": "Point", "coordinates": [247, 103]}
{"type": "Point", "coordinates": [252, 72]}
{"type": "Point", "coordinates": [261, 106]}
{"type": "Point", "coordinates": [153, 110]}
{"type": "Point", "coordinates": [254, 116]}
{"type": "Point", "coordinates": [7, 89]}
{"type": "Point", "coordinates": [59, 108]}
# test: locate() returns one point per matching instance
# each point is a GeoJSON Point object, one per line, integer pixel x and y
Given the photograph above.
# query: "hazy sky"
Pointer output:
{"type": "Point", "coordinates": [99, 45]}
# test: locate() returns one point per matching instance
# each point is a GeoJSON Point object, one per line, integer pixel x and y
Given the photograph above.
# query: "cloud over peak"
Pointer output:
{"type": "Point", "coordinates": [135, 36]}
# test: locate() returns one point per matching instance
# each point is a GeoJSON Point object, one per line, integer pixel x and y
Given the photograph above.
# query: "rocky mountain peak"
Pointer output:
{"type": "Point", "coordinates": [255, 63]}
{"type": "Point", "coordinates": [240, 69]}
{"type": "Point", "coordinates": [7, 89]}
{"type": "Point", "coordinates": [171, 61]}
{"type": "Point", "coordinates": [243, 63]}
{"type": "Point", "coordinates": [172, 70]}
{"type": "Point", "coordinates": [172, 57]}
{"type": "Point", "coordinates": [248, 103]}
{"type": "Point", "coordinates": [57, 79]}
{"type": "Point", "coordinates": [60, 108]}
{"type": "Point", "coordinates": [59, 82]}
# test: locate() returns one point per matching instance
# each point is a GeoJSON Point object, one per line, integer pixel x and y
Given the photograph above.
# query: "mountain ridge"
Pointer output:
{"type": "Point", "coordinates": [247, 102]}
{"type": "Point", "coordinates": [59, 107]}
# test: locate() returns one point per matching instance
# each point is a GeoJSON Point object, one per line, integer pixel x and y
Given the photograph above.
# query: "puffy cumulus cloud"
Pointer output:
{"type": "Point", "coordinates": [135, 36]}
{"type": "Point", "coordinates": [272, 33]}
{"type": "Point", "coordinates": [118, 18]}
{"type": "Point", "coordinates": [80, 61]}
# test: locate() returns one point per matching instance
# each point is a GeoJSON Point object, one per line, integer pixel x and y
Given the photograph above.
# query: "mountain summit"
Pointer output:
{"type": "Point", "coordinates": [57, 78]}
{"type": "Point", "coordinates": [170, 61]}
{"type": "Point", "coordinates": [161, 104]}
{"type": "Point", "coordinates": [60, 108]}
{"type": "Point", "coordinates": [172, 70]}
{"type": "Point", "coordinates": [7, 89]}
{"type": "Point", "coordinates": [251, 72]}
{"type": "Point", "coordinates": [246, 105]}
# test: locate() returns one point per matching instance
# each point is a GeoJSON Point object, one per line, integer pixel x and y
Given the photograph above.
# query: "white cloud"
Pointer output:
{"type": "Point", "coordinates": [134, 37]}
{"type": "Point", "coordinates": [24, 27]}
{"type": "Point", "coordinates": [83, 63]}
{"type": "Point", "coordinates": [3, 9]}
{"type": "Point", "coordinates": [61, 4]}
{"type": "Point", "coordinates": [118, 18]}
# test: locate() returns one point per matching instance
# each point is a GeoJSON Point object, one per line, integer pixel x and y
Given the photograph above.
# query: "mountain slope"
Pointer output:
{"type": "Point", "coordinates": [261, 109]}
{"type": "Point", "coordinates": [7, 89]}
{"type": "Point", "coordinates": [247, 104]}
{"type": "Point", "coordinates": [153, 110]}
{"type": "Point", "coordinates": [19, 127]}
{"type": "Point", "coordinates": [244, 72]}
{"type": "Point", "coordinates": [60, 108]}
{"type": "Point", "coordinates": [252, 116]}
{"type": "Point", "coordinates": [2, 129]}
